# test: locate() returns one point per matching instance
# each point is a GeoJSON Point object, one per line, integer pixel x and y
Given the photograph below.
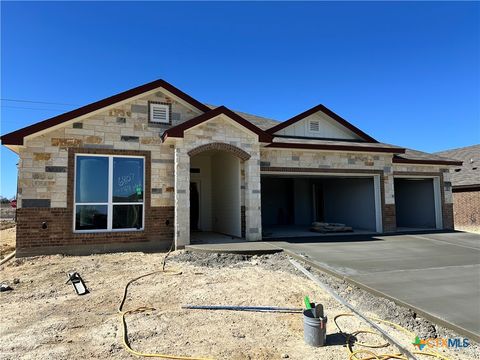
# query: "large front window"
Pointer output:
{"type": "Point", "coordinates": [109, 193]}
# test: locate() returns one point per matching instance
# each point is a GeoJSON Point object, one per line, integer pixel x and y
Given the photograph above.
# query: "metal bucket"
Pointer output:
{"type": "Point", "coordinates": [314, 328]}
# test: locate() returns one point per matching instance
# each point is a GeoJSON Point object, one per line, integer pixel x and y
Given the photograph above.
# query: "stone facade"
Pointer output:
{"type": "Point", "coordinates": [46, 175]}
{"type": "Point", "coordinates": [219, 130]}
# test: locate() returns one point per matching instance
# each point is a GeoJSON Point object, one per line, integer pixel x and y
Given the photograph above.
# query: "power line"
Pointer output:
{"type": "Point", "coordinates": [38, 102]}
{"type": "Point", "coordinates": [29, 108]}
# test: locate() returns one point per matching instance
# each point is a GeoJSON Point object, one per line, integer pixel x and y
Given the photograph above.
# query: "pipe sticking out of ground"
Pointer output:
{"type": "Point", "coordinates": [244, 308]}
{"type": "Point", "coordinates": [8, 257]}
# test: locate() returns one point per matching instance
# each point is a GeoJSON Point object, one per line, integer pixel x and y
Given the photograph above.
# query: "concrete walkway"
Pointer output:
{"type": "Point", "coordinates": [437, 275]}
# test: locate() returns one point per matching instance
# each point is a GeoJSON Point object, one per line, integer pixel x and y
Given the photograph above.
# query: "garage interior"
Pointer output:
{"type": "Point", "coordinates": [415, 203]}
{"type": "Point", "coordinates": [290, 204]}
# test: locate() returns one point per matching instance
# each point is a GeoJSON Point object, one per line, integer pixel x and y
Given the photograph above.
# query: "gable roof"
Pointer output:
{"type": "Point", "coordinates": [467, 174]}
{"type": "Point", "coordinates": [328, 112]}
{"type": "Point", "coordinates": [16, 137]}
{"type": "Point", "coordinates": [179, 130]}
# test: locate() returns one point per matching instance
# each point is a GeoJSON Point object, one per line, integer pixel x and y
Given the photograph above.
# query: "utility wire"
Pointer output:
{"type": "Point", "coordinates": [29, 108]}
{"type": "Point", "coordinates": [38, 102]}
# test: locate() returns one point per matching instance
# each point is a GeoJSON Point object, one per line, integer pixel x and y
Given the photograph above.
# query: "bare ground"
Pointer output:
{"type": "Point", "coordinates": [43, 318]}
{"type": "Point", "coordinates": [7, 238]}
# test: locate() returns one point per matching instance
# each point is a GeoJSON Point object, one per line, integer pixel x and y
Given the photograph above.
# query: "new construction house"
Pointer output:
{"type": "Point", "coordinates": [152, 165]}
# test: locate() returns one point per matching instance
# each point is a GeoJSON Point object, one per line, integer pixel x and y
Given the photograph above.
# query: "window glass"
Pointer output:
{"type": "Point", "coordinates": [91, 217]}
{"type": "Point", "coordinates": [127, 216]}
{"type": "Point", "coordinates": [127, 179]}
{"type": "Point", "coordinates": [91, 179]}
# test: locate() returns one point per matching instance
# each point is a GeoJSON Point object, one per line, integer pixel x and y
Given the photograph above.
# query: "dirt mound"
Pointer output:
{"type": "Point", "coordinates": [278, 261]}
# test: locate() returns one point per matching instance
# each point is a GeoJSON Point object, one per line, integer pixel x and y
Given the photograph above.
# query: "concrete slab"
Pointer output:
{"type": "Point", "coordinates": [436, 274]}
{"type": "Point", "coordinates": [246, 248]}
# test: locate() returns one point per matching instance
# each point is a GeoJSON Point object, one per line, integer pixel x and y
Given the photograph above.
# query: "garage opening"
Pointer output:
{"type": "Point", "coordinates": [415, 203]}
{"type": "Point", "coordinates": [290, 204]}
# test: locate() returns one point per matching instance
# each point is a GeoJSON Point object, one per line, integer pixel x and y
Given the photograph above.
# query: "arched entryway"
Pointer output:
{"type": "Point", "coordinates": [216, 190]}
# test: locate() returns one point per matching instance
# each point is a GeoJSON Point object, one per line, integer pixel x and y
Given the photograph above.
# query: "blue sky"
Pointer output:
{"type": "Point", "coordinates": [406, 73]}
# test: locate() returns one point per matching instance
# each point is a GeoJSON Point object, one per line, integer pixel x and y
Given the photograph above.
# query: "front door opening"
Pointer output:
{"type": "Point", "coordinates": [215, 198]}
{"type": "Point", "coordinates": [194, 205]}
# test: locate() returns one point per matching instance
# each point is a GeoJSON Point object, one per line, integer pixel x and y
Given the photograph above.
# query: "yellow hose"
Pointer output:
{"type": "Point", "coordinates": [352, 353]}
{"type": "Point", "coordinates": [142, 309]}
{"type": "Point", "coordinates": [374, 356]}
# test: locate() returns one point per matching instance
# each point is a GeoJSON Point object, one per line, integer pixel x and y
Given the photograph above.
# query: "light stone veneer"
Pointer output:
{"type": "Point", "coordinates": [220, 129]}
{"type": "Point", "coordinates": [102, 130]}
{"type": "Point", "coordinates": [126, 127]}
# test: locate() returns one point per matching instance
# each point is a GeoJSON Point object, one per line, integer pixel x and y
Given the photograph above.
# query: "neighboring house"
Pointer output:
{"type": "Point", "coordinates": [466, 187]}
{"type": "Point", "coordinates": [152, 164]}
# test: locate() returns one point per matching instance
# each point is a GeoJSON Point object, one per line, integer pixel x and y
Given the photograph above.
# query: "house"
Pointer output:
{"type": "Point", "coordinates": [466, 187]}
{"type": "Point", "coordinates": [153, 165]}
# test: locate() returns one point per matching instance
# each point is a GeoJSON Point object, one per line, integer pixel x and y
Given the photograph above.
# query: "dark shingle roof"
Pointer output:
{"type": "Point", "coordinates": [469, 172]}
{"type": "Point", "coordinates": [262, 122]}
{"type": "Point", "coordinates": [416, 155]}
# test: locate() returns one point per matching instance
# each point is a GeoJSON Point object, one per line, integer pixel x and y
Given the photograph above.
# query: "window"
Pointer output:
{"type": "Point", "coordinates": [109, 193]}
{"type": "Point", "coordinates": [159, 113]}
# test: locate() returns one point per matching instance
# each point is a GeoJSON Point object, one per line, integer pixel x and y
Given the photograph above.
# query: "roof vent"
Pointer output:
{"type": "Point", "coordinates": [314, 126]}
{"type": "Point", "coordinates": [457, 170]}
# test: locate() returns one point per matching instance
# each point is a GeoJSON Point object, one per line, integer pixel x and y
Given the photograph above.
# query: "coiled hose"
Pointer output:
{"type": "Point", "coordinates": [373, 355]}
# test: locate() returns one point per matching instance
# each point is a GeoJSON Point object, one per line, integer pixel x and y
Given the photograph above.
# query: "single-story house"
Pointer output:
{"type": "Point", "coordinates": [466, 187]}
{"type": "Point", "coordinates": [153, 165]}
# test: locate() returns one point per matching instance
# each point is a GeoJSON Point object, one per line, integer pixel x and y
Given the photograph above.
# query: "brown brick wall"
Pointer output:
{"type": "Point", "coordinates": [31, 237]}
{"type": "Point", "coordinates": [389, 218]}
{"type": "Point", "coordinates": [466, 210]}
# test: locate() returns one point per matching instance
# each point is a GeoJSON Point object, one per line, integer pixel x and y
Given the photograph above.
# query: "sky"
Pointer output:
{"type": "Point", "coordinates": [405, 73]}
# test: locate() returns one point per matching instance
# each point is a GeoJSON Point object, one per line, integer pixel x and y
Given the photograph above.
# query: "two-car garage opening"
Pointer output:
{"type": "Point", "coordinates": [291, 203]}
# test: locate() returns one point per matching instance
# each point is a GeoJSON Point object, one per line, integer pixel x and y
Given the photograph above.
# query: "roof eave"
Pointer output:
{"type": "Point", "coordinates": [337, 147]}
{"type": "Point", "coordinates": [17, 137]}
{"type": "Point", "coordinates": [400, 160]}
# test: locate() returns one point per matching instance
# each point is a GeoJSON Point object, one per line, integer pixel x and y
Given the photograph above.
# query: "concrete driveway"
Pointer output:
{"type": "Point", "coordinates": [436, 274]}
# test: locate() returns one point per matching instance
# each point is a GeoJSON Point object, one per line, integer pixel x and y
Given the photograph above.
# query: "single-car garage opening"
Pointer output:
{"type": "Point", "coordinates": [415, 203]}
{"type": "Point", "coordinates": [290, 204]}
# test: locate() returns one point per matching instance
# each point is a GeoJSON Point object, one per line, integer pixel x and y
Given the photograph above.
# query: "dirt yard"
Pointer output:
{"type": "Point", "coordinates": [43, 318]}
{"type": "Point", "coordinates": [7, 238]}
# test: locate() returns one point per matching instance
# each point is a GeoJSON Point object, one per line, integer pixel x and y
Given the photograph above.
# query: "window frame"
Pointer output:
{"type": "Point", "coordinates": [152, 104]}
{"type": "Point", "coordinates": [110, 204]}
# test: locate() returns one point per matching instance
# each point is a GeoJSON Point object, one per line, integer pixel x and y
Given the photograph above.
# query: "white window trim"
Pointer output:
{"type": "Point", "coordinates": [152, 106]}
{"type": "Point", "coordinates": [110, 202]}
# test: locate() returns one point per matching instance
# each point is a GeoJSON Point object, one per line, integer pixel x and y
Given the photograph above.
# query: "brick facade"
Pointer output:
{"type": "Point", "coordinates": [466, 210]}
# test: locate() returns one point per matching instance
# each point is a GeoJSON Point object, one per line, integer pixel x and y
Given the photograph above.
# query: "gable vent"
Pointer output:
{"type": "Point", "coordinates": [314, 126]}
{"type": "Point", "coordinates": [159, 113]}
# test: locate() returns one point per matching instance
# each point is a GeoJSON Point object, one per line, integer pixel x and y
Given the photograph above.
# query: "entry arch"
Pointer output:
{"type": "Point", "coordinates": [217, 189]}
{"type": "Point", "coordinates": [234, 150]}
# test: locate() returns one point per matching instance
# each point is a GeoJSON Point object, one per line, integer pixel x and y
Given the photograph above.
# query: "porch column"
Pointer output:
{"type": "Point", "coordinates": [253, 205]}
{"type": "Point", "coordinates": [182, 197]}
{"type": "Point", "coordinates": [389, 216]}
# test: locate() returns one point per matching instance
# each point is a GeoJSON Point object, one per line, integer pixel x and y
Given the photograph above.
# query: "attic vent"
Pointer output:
{"type": "Point", "coordinates": [314, 126]}
{"type": "Point", "coordinates": [159, 113]}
